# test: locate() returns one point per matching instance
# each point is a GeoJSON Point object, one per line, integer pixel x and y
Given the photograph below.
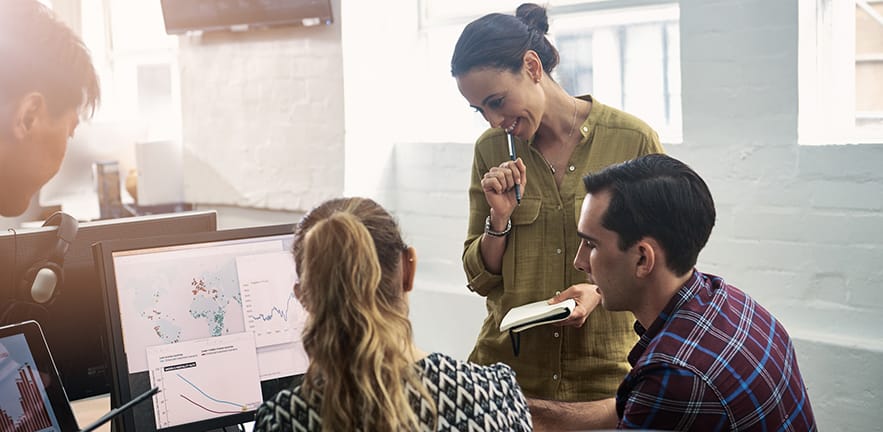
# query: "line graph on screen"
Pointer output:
{"type": "Point", "coordinates": [270, 308]}
{"type": "Point", "coordinates": [187, 374]}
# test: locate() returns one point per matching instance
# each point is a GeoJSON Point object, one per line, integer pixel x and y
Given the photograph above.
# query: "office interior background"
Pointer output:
{"type": "Point", "coordinates": [778, 104]}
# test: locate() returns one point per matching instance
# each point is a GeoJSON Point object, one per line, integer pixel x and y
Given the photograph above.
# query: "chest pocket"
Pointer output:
{"type": "Point", "coordinates": [525, 243]}
{"type": "Point", "coordinates": [526, 213]}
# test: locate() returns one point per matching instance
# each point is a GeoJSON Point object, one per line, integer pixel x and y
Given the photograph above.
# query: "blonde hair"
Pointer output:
{"type": "Point", "coordinates": [348, 254]}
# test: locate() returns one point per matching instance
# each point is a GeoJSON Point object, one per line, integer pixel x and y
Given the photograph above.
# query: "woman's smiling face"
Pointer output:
{"type": "Point", "coordinates": [507, 100]}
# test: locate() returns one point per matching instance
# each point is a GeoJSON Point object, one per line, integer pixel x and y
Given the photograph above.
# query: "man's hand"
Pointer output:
{"type": "Point", "coordinates": [587, 299]}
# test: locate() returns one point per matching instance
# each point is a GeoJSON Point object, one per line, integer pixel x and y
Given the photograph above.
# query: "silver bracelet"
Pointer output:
{"type": "Point", "coordinates": [489, 231]}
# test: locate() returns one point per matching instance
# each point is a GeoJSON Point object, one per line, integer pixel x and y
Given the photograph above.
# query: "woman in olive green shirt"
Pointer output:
{"type": "Point", "coordinates": [520, 253]}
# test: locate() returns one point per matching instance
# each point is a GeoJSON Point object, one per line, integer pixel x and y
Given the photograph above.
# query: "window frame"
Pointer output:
{"type": "Point", "coordinates": [827, 111]}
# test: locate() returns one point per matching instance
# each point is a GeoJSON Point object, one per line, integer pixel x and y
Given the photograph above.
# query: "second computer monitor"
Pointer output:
{"type": "Point", "coordinates": [211, 319]}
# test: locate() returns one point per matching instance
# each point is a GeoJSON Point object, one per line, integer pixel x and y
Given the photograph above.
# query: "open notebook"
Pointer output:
{"type": "Point", "coordinates": [32, 397]}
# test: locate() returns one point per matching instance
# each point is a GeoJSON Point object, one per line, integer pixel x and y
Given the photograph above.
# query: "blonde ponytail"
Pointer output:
{"type": "Point", "coordinates": [358, 334]}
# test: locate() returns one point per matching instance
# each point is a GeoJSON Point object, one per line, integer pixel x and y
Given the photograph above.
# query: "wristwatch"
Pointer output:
{"type": "Point", "coordinates": [489, 231]}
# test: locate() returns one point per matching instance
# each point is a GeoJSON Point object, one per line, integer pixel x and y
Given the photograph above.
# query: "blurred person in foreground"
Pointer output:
{"type": "Point", "coordinates": [47, 83]}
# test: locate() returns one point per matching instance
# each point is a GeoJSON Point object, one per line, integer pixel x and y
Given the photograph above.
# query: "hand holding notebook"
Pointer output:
{"type": "Point", "coordinates": [537, 313]}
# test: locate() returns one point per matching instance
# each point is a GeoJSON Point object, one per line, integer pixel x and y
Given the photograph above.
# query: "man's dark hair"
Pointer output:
{"type": "Point", "coordinates": [41, 54]}
{"type": "Point", "coordinates": [660, 197]}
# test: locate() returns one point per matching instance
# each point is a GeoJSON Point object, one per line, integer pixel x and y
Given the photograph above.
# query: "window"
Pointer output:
{"type": "Point", "coordinates": [137, 63]}
{"type": "Point", "coordinates": [841, 62]}
{"type": "Point", "coordinates": [626, 57]}
{"type": "Point", "coordinates": [869, 65]}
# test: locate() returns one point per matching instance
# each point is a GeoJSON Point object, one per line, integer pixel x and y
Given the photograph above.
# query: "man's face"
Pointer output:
{"type": "Point", "coordinates": [32, 155]}
{"type": "Point", "coordinates": [608, 267]}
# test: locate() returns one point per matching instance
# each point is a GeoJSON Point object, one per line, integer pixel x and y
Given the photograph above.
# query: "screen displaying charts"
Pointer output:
{"type": "Point", "coordinates": [174, 295]}
{"type": "Point", "coordinates": [203, 379]}
{"type": "Point", "coordinates": [24, 405]}
{"type": "Point", "coordinates": [211, 319]}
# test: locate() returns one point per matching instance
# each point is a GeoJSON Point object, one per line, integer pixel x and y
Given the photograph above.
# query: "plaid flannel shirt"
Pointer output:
{"type": "Point", "coordinates": [714, 359]}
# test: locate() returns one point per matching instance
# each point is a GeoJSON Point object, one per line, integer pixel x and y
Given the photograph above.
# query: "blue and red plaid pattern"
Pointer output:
{"type": "Point", "coordinates": [714, 359]}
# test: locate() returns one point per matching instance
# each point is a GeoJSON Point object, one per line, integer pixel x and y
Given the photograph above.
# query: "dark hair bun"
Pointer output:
{"type": "Point", "coordinates": [534, 16]}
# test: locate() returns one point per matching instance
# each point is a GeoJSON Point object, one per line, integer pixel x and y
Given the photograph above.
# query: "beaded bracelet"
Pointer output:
{"type": "Point", "coordinates": [489, 231]}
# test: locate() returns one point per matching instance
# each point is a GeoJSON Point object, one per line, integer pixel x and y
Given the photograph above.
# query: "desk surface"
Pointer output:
{"type": "Point", "coordinates": [90, 409]}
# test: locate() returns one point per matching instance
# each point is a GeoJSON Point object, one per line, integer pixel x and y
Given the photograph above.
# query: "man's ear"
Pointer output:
{"type": "Point", "coordinates": [646, 258]}
{"type": "Point", "coordinates": [27, 114]}
{"type": "Point", "coordinates": [409, 268]}
{"type": "Point", "coordinates": [533, 66]}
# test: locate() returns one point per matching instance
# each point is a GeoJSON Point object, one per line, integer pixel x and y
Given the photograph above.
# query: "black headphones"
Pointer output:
{"type": "Point", "coordinates": [41, 281]}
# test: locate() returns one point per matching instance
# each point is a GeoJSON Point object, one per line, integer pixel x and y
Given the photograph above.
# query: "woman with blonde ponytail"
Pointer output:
{"type": "Point", "coordinates": [365, 373]}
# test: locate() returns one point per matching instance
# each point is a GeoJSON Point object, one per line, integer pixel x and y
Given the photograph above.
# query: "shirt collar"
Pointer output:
{"type": "Point", "coordinates": [687, 291]}
{"type": "Point", "coordinates": [588, 124]}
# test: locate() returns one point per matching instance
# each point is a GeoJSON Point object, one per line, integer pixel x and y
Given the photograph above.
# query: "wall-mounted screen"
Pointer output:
{"type": "Point", "coordinates": [181, 16]}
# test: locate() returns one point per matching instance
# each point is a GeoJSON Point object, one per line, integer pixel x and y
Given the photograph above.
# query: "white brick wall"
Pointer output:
{"type": "Point", "coordinates": [263, 116]}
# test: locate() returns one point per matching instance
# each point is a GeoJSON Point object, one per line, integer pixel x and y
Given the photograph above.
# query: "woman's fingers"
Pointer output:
{"type": "Point", "coordinates": [504, 177]}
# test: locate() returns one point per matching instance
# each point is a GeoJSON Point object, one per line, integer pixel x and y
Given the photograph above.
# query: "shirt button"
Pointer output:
{"type": "Point", "coordinates": [585, 128]}
{"type": "Point", "coordinates": [555, 377]}
{"type": "Point", "coordinates": [571, 168]}
{"type": "Point", "coordinates": [558, 251]}
{"type": "Point", "coordinates": [556, 334]}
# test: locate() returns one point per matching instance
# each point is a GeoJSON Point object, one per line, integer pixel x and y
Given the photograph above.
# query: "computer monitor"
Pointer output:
{"type": "Point", "coordinates": [211, 319]}
{"type": "Point", "coordinates": [74, 321]}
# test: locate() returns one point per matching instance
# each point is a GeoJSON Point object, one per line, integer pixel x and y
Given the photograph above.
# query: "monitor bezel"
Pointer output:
{"type": "Point", "coordinates": [103, 252]}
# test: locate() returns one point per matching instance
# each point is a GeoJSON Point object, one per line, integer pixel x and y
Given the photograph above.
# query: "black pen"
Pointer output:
{"type": "Point", "coordinates": [511, 143]}
{"type": "Point", "coordinates": [117, 411]}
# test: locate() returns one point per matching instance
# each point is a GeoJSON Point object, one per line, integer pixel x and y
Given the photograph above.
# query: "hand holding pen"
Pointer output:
{"type": "Point", "coordinates": [503, 186]}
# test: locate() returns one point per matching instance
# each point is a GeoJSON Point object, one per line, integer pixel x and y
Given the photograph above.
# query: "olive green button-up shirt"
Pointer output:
{"type": "Point", "coordinates": [560, 363]}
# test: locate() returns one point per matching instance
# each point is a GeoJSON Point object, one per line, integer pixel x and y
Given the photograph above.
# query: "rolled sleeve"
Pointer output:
{"type": "Point", "coordinates": [479, 279]}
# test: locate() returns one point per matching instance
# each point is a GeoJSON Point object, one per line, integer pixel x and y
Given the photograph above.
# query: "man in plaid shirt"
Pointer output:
{"type": "Point", "coordinates": [709, 357]}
